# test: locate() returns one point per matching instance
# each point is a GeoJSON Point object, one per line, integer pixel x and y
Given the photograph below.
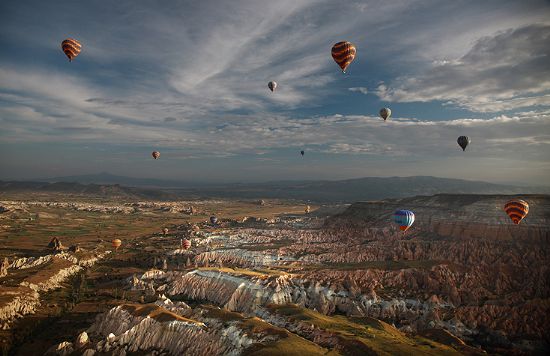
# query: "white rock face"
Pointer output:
{"type": "Point", "coordinates": [135, 333]}
{"type": "Point", "coordinates": [62, 349]}
{"type": "Point", "coordinates": [246, 294]}
{"type": "Point", "coordinates": [241, 257]}
{"type": "Point", "coordinates": [81, 340]}
{"type": "Point", "coordinates": [25, 299]}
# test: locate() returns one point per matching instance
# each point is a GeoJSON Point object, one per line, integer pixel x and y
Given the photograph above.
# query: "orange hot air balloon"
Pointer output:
{"type": "Point", "coordinates": [71, 48]}
{"type": "Point", "coordinates": [516, 209]}
{"type": "Point", "coordinates": [165, 231]}
{"type": "Point", "coordinates": [155, 154]}
{"type": "Point", "coordinates": [185, 244]}
{"type": "Point", "coordinates": [116, 244]}
{"type": "Point", "coordinates": [343, 54]}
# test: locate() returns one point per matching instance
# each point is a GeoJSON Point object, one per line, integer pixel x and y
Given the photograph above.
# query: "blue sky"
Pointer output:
{"type": "Point", "coordinates": [190, 78]}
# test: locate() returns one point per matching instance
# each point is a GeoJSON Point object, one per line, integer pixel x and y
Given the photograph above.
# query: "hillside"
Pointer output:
{"type": "Point", "coordinates": [341, 191]}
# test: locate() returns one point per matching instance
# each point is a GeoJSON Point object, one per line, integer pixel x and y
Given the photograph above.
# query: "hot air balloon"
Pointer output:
{"type": "Point", "coordinates": [516, 209]}
{"type": "Point", "coordinates": [403, 218]}
{"type": "Point", "coordinates": [185, 244]}
{"type": "Point", "coordinates": [155, 154]}
{"type": "Point", "coordinates": [213, 220]}
{"type": "Point", "coordinates": [165, 231]}
{"type": "Point", "coordinates": [302, 152]}
{"type": "Point", "coordinates": [343, 54]}
{"type": "Point", "coordinates": [71, 48]}
{"type": "Point", "coordinates": [272, 86]}
{"type": "Point", "coordinates": [463, 142]}
{"type": "Point", "coordinates": [116, 244]}
{"type": "Point", "coordinates": [385, 113]}
{"type": "Point", "coordinates": [308, 209]}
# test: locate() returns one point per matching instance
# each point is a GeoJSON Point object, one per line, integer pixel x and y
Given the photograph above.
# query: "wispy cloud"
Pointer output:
{"type": "Point", "coordinates": [361, 90]}
{"type": "Point", "coordinates": [507, 71]}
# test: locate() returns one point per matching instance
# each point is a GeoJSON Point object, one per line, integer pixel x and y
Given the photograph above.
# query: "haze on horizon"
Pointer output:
{"type": "Point", "coordinates": [189, 79]}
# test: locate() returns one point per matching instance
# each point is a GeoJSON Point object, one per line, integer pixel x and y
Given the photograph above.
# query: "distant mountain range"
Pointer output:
{"type": "Point", "coordinates": [350, 190]}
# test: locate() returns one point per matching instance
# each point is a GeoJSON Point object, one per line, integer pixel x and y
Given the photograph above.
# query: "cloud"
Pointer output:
{"type": "Point", "coordinates": [361, 90]}
{"type": "Point", "coordinates": [509, 70]}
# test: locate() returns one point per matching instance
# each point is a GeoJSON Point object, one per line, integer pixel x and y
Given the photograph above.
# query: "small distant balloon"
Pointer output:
{"type": "Point", "coordinates": [165, 231]}
{"type": "Point", "coordinates": [302, 152]}
{"type": "Point", "coordinates": [516, 209]}
{"type": "Point", "coordinates": [155, 154]}
{"type": "Point", "coordinates": [343, 54]}
{"type": "Point", "coordinates": [385, 113]}
{"type": "Point", "coordinates": [272, 86]}
{"type": "Point", "coordinates": [71, 48]}
{"type": "Point", "coordinates": [213, 220]}
{"type": "Point", "coordinates": [463, 142]}
{"type": "Point", "coordinates": [185, 244]}
{"type": "Point", "coordinates": [403, 218]}
{"type": "Point", "coordinates": [307, 209]}
{"type": "Point", "coordinates": [116, 244]}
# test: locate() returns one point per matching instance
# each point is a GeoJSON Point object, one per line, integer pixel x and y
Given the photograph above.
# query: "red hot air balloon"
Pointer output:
{"type": "Point", "coordinates": [155, 154]}
{"type": "Point", "coordinates": [343, 54]}
{"type": "Point", "coordinates": [185, 244]}
{"type": "Point", "coordinates": [516, 209]}
{"type": "Point", "coordinates": [71, 48]}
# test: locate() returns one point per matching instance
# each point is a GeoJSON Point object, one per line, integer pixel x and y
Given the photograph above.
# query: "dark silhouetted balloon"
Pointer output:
{"type": "Point", "coordinates": [463, 141]}
{"type": "Point", "coordinates": [155, 154]}
{"type": "Point", "coordinates": [272, 86]}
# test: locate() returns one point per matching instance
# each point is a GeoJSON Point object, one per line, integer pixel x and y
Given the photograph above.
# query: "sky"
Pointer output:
{"type": "Point", "coordinates": [189, 79]}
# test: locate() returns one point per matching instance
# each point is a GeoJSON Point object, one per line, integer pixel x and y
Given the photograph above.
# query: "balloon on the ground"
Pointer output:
{"type": "Point", "coordinates": [403, 218]}
{"type": "Point", "coordinates": [516, 209]}
{"type": "Point", "coordinates": [343, 54]}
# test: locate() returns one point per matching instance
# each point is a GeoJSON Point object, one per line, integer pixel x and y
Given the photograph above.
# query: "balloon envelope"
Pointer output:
{"type": "Point", "coordinates": [516, 209]}
{"type": "Point", "coordinates": [403, 218]}
{"type": "Point", "coordinates": [155, 154]}
{"type": "Point", "coordinates": [116, 243]}
{"type": "Point", "coordinates": [272, 86]}
{"type": "Point", "coordinates": [185, 244]}
{"type": "Point", "coordinates": [71, 48]}
{"type": "Point", "coordinates": [463, 142]}
{"type": "Point", "coordinates": [213, 219]}
{"type": "Point", "coordinates": [343, 54]}
{"type": "Point", "coordinates": [302, 153]}
{"type": "Point", "coordinates": [385, 113]}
